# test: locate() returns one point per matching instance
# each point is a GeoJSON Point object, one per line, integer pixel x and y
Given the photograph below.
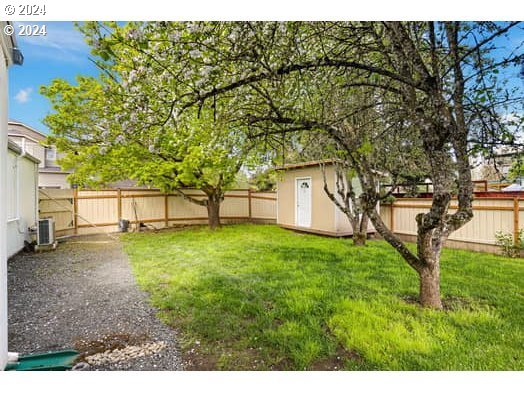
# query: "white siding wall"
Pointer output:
{"type": "Point", "coordinates": [53, 180]}
{"type": "Point", "coordinates": [21, 194]}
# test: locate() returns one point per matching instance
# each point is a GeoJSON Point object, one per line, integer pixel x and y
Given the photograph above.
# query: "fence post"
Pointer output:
{"type": "Point", "coordinates": [516, 221]}
{"type": "Point", "coordinates": [119, 204]}
{"type": "Point", "coordinates": [75, 210]}
{"type": "Point", "coordinates": [166, 209]}
{"type": "Point", "coordinates": [249, 202]}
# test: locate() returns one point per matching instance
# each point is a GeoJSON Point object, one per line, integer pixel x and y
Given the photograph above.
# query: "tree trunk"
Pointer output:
{"type": "Point", "coordinates": [359, 238]}
{"type": "Point", "coordinates": [430, 286]}
{"type": "Point", "coordinates": [429, 245]}
{"type": "Point", "coordinates": [426, 262]}
{"type": "Point", "coordinates": [360, 228]}
{"type": "Point", "coordinates": [213, 211]}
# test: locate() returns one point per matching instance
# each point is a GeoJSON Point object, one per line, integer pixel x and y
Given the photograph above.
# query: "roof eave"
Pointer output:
{"type": "Point", "coordinates": [18, 150]}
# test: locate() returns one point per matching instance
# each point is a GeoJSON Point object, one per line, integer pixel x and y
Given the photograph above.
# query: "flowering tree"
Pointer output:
{"type": "Point", "coordinates": [121, 125]}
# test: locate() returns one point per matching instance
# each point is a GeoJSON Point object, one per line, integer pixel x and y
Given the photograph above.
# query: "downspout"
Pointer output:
{"type": "Point", "coordinates": [37, 194]}
{"type": "Point", "coordinates": [37, 199]}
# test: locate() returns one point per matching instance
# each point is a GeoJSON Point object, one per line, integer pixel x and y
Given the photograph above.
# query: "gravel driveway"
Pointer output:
{"type": "Point", "coordinates": [83, 295]}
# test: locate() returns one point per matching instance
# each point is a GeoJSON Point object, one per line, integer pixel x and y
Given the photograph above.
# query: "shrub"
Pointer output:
{"type": "Point", "coordinates": [508, 246]}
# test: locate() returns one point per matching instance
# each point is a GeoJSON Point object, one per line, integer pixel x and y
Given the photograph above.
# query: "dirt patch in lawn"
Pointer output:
{"type": "Point", "coordinates": [450, 303]}
{"type": "Point", "coordinates": [199, 358]}
{"type": "Point", "coordinates": [195, 359]}
{"type": "Point", "coordinates": [337, 361]}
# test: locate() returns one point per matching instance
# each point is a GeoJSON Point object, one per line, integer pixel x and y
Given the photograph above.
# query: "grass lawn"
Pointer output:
{"type": "Point", "coordinates": [258, 297]}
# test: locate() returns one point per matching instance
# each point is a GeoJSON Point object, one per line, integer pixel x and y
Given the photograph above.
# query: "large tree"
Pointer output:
{"type": "Point", "coordinates": [441, 78]}
{"type": "Point", "coordinates": [120, 125]}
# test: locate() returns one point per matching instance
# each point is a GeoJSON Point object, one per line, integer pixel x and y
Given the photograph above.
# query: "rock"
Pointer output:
{"type": "Point", "coordinates": [82, 366]}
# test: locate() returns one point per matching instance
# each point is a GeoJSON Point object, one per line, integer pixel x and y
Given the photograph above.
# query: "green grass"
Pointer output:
{"type": "Point", "coordinates": [260, 297]}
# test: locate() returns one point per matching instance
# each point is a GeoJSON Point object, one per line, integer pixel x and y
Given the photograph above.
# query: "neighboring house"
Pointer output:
{"type": "Point", "coordinates": [22, 197]}
{"type": "Point", "coordinates": [10, 56]}
{"type": "Point", "coordinates": [31, 141]}
{"type": "Point", "coordinates": [496, 168]}
{"type": "Point", "coordinates": [302, 203]}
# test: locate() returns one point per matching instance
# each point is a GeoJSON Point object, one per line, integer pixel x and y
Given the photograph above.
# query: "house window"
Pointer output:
{"type": "Point", "coordinates": [50, 154]}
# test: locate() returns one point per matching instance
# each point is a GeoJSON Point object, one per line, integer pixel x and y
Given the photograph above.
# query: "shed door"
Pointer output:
{"type": "Point", "coordinates": [303, 192]}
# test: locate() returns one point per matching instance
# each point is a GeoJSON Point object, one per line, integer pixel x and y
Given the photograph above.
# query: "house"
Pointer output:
{"type": "Point", "coordinates": [302, 203]}
{"type": "Point", "coordinates": [497, 167]}
{"type": "Point", "coordinates": [31, 141]}
{"type": "Point", "coordinates": [22, 197]}
{"type": "Point", "coordinates": [10, 56]}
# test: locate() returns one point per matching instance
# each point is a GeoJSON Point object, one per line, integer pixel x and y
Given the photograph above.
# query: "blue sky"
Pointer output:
{"type": "Point", "coordinates": [61, 54]}
{"type": "Point", "coordinates": [64, 54]}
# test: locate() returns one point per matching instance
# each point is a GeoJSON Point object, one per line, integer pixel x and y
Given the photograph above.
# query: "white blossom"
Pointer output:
{"type": "Point", "coordinates": [174, 36]}
{"type": "Point", "coordinates": [193, 27]}
{"type": "Point", "coordinates": [195, 53]}
{"type": "Point", "coordinates": [206, 70]}
{"type": "Point", "coordinates": [135, 34]}
{"type": "Point", "coordinates": [132, 76]}
{"type": "Point", "coordinates": [165, 76]}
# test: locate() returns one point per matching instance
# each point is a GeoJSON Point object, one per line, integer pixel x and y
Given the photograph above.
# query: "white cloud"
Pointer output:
{"type": "Point", "coordinates": [23, 95]}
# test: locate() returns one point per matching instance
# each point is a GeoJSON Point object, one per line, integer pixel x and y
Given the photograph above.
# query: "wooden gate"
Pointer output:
{"type": "Point", "coordinates": [58, 205]}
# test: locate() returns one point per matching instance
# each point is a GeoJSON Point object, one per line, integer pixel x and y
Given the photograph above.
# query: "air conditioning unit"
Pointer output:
{"type": "Point", "coordinates": [45, 232]}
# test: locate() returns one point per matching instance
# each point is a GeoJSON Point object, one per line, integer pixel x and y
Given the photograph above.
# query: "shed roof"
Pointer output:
{"type": "Point", "coordinates": [305, 164]}
{"type": "Point", "coordinates": [513, 187]}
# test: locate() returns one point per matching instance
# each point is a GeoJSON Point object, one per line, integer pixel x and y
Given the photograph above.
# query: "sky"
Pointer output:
{"type": "Point", "coordinates": [62, 53]}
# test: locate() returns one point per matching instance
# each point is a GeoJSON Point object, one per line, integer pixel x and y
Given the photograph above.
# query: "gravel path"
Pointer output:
{"type": "Point", "coordinates": [83, 295]}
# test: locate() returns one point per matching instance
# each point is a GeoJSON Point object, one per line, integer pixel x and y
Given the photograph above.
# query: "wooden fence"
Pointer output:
{"type": "Point", "coordinates": [490, 215]}
{"type": "Point", "coordinates": [94, 211]}
{"type": "Point", "coordinates": [100, 211]}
